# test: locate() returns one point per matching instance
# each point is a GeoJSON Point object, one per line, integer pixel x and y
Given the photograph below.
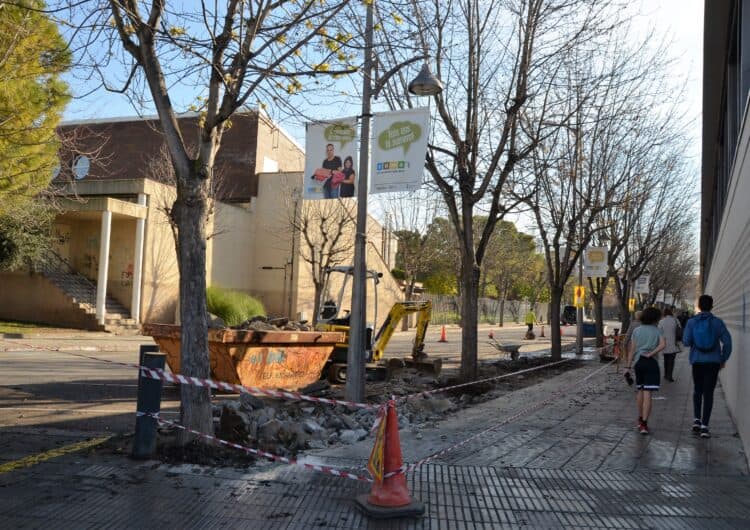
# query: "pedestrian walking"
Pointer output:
{"type": "Point", "coordinates": [710, 347]}
{"type": "Point", "coordinates": [671, 331]}
{"type": "Point", "coordinates": [645, 345]}
{"type": "Point", "coordinates": [631, 328]}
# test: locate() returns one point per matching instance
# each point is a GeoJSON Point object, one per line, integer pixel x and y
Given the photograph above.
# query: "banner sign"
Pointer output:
{"type": "Point", "coordinates": [669, 299]}
{"type": "Point", "coordinates": [631, 304]}
{"type": "Point", "coordinates": [331, 159]}
{"type": "Point", "coordinates": [641, 284]}
{"type": "Point", "coordinates": [660, 296]}
{"type": "Point", "coordinates": [399, 146]}
{"type": "Point", "coordinates": [595, 262]}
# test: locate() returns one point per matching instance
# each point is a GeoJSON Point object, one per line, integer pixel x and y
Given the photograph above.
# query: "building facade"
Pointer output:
{"type": "Point", "coordinates": [114, 266]}
{"type": "Point", "coordinates": [725, 189]}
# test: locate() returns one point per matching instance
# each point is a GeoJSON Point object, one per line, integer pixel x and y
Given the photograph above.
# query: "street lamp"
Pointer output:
{"type": "Point", "coordinates": [424, 85]}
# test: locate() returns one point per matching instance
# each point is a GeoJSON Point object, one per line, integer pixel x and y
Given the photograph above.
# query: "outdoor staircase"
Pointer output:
{"type": "Point", "coordinates": [82, 294]}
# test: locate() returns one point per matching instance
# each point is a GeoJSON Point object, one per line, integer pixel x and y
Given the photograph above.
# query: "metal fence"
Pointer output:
{"type": "Point", "coordinates": [447, 310]}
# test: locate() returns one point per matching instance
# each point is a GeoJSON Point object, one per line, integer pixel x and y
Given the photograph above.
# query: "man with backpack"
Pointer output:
{"type": "Point", "coordinates": [710, 346]}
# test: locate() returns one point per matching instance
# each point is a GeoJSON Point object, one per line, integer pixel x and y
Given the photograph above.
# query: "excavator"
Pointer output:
{"type": "Point", "coordinates": [332, 317]}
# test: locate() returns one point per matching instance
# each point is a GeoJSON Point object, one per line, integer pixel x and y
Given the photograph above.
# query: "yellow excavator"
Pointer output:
{"type": "Point", "coordinates": [331, 317]}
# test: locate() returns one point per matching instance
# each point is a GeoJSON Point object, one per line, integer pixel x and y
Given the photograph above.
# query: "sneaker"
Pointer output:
{"type": "Point", "coordinates": [705, 433]}
{"type": "Point", "coordinates": [696, 426]}
{"type": "Point", "coordinates": [643, 428]}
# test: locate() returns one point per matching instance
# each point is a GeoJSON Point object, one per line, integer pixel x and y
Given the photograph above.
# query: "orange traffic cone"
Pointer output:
{"type": "Point", "coordinates": [492, 334]}
{"type": "Point", "coordinates": [389, 497]}
{"type": "Point", "coordinates": [443, 338]}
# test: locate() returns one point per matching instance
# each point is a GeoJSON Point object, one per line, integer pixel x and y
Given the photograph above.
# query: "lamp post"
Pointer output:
{"type": "Point", "coordinates": [425, 84]}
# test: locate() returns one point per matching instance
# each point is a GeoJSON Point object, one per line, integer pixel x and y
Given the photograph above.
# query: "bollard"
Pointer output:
{"type": "Point", "coordinates": [149, 400]}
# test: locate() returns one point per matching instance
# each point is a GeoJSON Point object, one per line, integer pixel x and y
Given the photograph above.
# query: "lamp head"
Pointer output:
{"type": "Point", "coordinates": [425, 84]}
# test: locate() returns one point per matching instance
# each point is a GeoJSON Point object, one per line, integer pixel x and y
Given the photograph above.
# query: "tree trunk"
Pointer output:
{"type": "Point", "coordinates": [621, 287]}
{"type": "Point", "coordinates": [409, 294]}
{"type": "Point", "coordinates": [503, 295]}
{"type": "Point", "coordinates": [554, 323]}
{"type": "Point", "coordinates": [599, 316]}
{"type": "Point", "coordinates": [316, 302]}
{"type": "Point", "coordinates": [469, 322]}
{"type": "Point", "coordinates": [191, 207]}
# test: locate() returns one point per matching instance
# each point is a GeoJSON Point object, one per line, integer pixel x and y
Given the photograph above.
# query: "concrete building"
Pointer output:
{"type": "Point", "coordinates": [725, 216]}
{"type": "Point", "coordinates": [114, 265]}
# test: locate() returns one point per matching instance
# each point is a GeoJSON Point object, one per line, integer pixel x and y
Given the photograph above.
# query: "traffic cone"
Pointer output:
{"type": "Point", "coordinates": [443, 338]}
{"type": "Point", "coordinates": [492, 334]}
{"type": "Point", "coordinates": [541, 334]}
{"type": "Point", "coordinates": [390, 497]}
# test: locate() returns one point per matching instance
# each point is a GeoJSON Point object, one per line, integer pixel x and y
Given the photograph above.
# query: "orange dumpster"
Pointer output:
{"type": "Point", "coordinates": [269, 359]}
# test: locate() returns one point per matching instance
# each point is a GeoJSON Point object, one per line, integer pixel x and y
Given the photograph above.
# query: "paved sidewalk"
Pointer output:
{"type": "Point", "coordinates": [576, 463]}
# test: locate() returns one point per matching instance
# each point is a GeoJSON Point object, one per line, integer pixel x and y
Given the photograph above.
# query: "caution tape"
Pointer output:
{"type": "Point", "coordinates": [487, 380]}
{"type": "Point", "coordinates": [528, 410]}
{"type": "Point", "coordinates": [328, 470]}
{"type": "Point", "coordinates": [156, 373]}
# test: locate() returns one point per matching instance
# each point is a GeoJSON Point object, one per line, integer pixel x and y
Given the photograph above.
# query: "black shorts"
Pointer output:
{"type": "Point", "coordinates": [647, 375]}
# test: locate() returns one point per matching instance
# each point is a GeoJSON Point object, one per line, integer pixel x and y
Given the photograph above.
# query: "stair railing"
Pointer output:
{"type": "Point", "coordinates": [52, 262]}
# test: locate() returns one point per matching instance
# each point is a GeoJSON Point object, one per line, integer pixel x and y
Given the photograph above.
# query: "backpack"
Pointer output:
{"type": "Point", "coordinates": [704, 336]}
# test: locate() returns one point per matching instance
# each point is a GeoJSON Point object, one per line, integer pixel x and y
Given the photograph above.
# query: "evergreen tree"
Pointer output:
{"type": "Point", "coordinates": [32, 98]}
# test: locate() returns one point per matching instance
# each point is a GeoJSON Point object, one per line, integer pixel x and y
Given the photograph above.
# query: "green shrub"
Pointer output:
{"type": "Point", "coordinates": [233, 307]}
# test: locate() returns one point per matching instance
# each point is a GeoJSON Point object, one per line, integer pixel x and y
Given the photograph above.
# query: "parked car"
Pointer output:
{"type": "Point", "coordinates": [568, 315]}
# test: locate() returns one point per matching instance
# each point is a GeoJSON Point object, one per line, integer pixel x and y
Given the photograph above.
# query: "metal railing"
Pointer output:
{"type": "Point", "coordinates": [52, 262]}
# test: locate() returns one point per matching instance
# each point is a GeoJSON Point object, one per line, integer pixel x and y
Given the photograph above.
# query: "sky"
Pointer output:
{"type": "Point", "coordinates": [679, 21]}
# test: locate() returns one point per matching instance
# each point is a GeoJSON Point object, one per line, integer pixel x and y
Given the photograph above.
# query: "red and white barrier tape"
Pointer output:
{"type": "Point", "coordinates": [155, 373]}
{"type": "Point", "coordinates": [495, 378]}
{"type": "Point", "coordinates": [336, 472]}
{"type": "Point", "coordinates": [532, 408]}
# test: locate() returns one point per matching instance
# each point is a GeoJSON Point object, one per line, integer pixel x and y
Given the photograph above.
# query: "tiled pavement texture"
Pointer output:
{"type": "Point", "coordinates": [578, 463]}
{"type": "Point", "coordinates": [456, 497]}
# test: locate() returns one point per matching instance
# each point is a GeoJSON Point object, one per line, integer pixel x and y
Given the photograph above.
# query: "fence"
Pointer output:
{"type": "Point", "coordinates": [447, 310]}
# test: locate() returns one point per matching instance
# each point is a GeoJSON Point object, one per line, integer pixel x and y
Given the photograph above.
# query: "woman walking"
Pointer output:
{"type": "Point", "coordinates": [670, 327]}
{"type": "Point", "coordinates": [645, 345]}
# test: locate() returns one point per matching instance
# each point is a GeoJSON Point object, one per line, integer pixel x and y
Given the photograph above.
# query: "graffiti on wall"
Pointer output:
{"type": "Point", "coordinates": [126, 276]}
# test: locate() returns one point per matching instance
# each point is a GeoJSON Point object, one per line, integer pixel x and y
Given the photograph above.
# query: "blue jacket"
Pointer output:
{"type": "Point", "coordinates": [721, 353]}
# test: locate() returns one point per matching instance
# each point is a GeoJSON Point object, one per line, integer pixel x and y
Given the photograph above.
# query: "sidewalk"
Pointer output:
{"type": "Point", "coordinates": [578, 462]}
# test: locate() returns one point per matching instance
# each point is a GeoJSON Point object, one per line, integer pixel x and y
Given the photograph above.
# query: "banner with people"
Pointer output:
{"type": "Point", "coordinates": [331, 159]}
{"type": "Point", "coordinates": [399, 145]}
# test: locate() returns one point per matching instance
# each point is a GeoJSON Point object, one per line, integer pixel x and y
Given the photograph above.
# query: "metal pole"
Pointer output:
{"type": "Point", "coordinates": [149, 401]}
{"type": "Point", "coordinates": [579, 315]}
{"type": "Point", "coordinates": [355, 359]}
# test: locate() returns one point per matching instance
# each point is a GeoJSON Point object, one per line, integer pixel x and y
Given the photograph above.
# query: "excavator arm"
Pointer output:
{"type": "Point", "coordinates": [397, 312]}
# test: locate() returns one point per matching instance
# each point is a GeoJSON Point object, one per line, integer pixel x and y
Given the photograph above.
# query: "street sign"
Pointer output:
{"type": "Point", "coordinates": [642, 284]}
{"type": "Point", "coordinates": [579, 296]}
{"type": "Point", "coordinates": [660, 295]}
{"type": "Point", "coordinates": [631, 304]}
{"type": "Point", "coordinates": [595, 262]}
{"type": "Point", "coordinates": [669, 299]}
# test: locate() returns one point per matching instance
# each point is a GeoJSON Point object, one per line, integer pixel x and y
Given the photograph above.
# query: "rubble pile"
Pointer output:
{"type": "Point", "coordinates": [260, 323]}
{"type": "Point", "coordinates": [285, 428]}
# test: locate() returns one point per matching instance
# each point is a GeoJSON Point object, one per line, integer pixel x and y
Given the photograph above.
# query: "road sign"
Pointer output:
{"type": "Point", "coordinates": [631, 304]}
{"type": "Point", "coordinates": [579, 295]}
{"type": "Point", "coordinates": [642, 284]}
{"type": "Point", "coordinates": [595, 262]}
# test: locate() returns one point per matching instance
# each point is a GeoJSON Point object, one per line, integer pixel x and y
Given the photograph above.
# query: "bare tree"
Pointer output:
{"type": "Point", "coordinates": [588, 167]}
{"type": "Point", "coordinates": [229, 54]}
{"type": "Point", "coordinates": [325, 229]}
{"type": "Point", "coordinates": [496, 60]}
{"type": "Point", "coordinates": [409, 216]}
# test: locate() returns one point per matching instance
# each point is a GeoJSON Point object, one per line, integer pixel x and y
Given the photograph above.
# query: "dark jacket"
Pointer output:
{"type": "Point", "coordinates": [723, 349]}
